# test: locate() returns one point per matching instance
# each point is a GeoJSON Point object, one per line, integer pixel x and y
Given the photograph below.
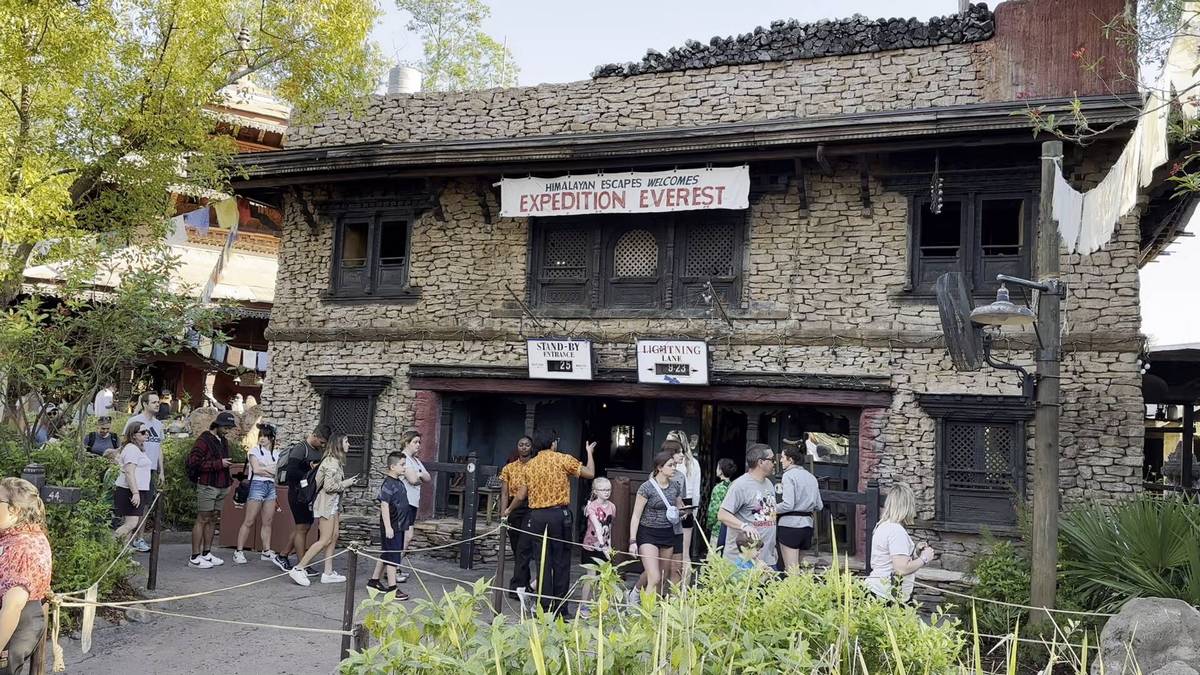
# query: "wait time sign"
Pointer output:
{"type": "Point", "coordinates": [672, 361]}
{"type": "Point", "coordinates": [553, 359]}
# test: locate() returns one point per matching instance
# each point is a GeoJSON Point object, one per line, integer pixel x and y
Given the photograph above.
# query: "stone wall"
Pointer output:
{"type": "Point", "coordinates": [824, 294]}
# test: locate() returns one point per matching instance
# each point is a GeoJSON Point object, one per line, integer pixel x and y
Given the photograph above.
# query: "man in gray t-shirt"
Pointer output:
{"type": "Point", "coordinates": [750, 504]}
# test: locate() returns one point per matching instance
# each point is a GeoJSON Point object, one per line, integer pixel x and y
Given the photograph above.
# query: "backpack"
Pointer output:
{"type": "Point", "coordinates": [285, 456]}
{"type": "Point", "coordinates": [89, 442]}
{"type": "Point", "coordinates": [308, 487]}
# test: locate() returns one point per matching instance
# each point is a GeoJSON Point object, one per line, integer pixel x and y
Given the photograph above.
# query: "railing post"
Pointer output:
{"type": "Point", "coordinates": [152, 576]}
{"type": "Point", "coordinates": [348, 605]}
{"type": "Point", "coordinates": [362, 638]}
{"type": "Point", "coordinates": [499, 581]}
{"type": "Point", "coordinates": [466, 555]}
{"type": "Point", "coordinates": [871, 521]}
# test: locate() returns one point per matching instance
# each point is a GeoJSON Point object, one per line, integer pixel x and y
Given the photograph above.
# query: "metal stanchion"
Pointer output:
{"type": "Point", "coordinates": [152, 576]}
{"type": "Point", "coordinates": [498, 581]}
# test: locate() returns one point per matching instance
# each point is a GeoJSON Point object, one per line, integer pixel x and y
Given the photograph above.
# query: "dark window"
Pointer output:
{"type": "Point", "coordinates": [348, 407]}
{"type": "Point", "coordinates": [641, 262]}
{"type": "Point", "coordinates": [977, 235]}
{"type": "Point", "coordinates": [371, 256]}
{"type": "Point", "coordinates": [980, 456]}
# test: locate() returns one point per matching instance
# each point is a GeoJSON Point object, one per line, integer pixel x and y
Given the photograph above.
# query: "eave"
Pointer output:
{"type": "Point", "coordinates": [848, 134]}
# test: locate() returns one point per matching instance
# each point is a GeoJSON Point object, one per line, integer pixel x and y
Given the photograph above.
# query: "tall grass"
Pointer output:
{"type": "Point", "coordinates": [822, 623]}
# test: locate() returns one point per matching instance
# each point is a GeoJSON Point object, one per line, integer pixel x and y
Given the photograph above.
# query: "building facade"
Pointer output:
{"type": "Point", "coordinates": [880, 155]}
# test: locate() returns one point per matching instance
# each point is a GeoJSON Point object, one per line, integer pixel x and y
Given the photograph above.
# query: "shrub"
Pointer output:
{"type": "Point", "coordinates": [1143, 547]}
{"type": "Point", "coordinates": [80, 534]}
{"type": "Point", "coordinates": [727, 623]}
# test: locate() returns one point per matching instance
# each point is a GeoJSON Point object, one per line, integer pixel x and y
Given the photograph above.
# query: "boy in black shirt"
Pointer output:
{"type": "Point", "coordinates": [393, 520]}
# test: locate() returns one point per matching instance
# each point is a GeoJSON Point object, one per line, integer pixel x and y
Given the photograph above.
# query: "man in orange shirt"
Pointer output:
{"type": "Point", "coordinates": [545, 485]}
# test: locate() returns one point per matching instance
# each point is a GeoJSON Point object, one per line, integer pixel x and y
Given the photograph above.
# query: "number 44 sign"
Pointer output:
{"type": "Point", "coordinates": [672, 361]}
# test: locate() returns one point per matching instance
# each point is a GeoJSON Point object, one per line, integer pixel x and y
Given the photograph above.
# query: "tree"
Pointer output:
{"type": "Point", "coordinates": [458, 54]}
{"type": "Point", "coordinates": [101, 100]}
{"type": "Point", "coordinates": [58, 347]}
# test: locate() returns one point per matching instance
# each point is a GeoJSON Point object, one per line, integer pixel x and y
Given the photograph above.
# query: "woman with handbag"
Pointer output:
{"type": "Point", "coordinates": [257, 492]}
{"type": "Point", "coordinates": [326, 507]}
{"type": "Point", "coordinates": [656, 520]}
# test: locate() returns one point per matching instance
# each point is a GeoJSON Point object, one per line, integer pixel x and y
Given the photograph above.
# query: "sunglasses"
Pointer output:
{"type": "Point", "coordinates": [139, 432]}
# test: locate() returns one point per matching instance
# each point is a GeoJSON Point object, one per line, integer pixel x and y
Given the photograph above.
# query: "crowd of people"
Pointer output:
{"type": "Point", "coordinates": [752, 520]}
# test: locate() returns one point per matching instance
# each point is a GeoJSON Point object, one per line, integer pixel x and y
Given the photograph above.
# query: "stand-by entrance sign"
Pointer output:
{"type": "Point", "coordinates": [672, 361]}
{"type": "Point", "coordinates": [551, 359]}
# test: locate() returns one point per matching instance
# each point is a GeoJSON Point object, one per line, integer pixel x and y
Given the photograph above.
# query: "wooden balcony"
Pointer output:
{"type": "Point", "coordinates": [249, 242]}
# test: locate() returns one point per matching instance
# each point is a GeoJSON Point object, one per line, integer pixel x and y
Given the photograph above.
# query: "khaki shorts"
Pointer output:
{"type": "Point", "coordinates": [209, 498]}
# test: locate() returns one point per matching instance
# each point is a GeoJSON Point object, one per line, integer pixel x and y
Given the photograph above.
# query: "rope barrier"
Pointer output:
{"type": "Point", "coordinates": [1047, 643]}
{"type": "Point", "coordinates": [452, 544]}
{"type": "Point", "coordinates": [328, 631]}
{"type": "Point", "coordinates": [1012, 604]}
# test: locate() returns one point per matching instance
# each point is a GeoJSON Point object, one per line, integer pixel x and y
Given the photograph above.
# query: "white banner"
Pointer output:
{"type": "Point", "coordinates": [631, 192]}
{"type": "Point", "coordinates": [551, 359]}
{"type": "Point", "coordinates": [672, 361]}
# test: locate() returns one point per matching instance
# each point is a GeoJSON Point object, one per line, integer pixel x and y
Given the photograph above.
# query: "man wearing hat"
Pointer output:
{"type": "Point", "coordinates": [208, 464]}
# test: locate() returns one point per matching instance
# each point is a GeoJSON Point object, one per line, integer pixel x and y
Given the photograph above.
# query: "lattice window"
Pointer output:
{"type": "Point", "coordinates": [636, 255]}
{"type": "Point", "coordinates": [565, 255]}
{"type": "Point", "coordinates": [979, 457]}
{"type": "Point", "coordinates": [709, 251]}
{"type": "Point", "coordinates": [349, 415]}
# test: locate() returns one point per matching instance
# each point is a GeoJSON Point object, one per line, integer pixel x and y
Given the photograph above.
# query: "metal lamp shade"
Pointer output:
{"type": "Point", "coordinates": [1002, 312]}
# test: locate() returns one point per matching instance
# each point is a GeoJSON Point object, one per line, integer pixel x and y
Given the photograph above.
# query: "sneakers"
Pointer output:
{"type": "Point", "coordinates": [140, 546]}
{"type": "Point", "coordinates": [400, 595]}
{"type": "Point", "coordinates": [299, 576]}
{"type": "Point", "coordinates": [312, 571]}
{"type": "Point", "coordinates": [585, 612]}
{"type": "Point", "coordinates": [332, 578]}
{"type": "Point", "coordinates": [213, 560]}
{"type": "Point", "coordinates": [267, 555]}
{"type": "Point", "coordinates": [282, 562]}
{"type": "Point", "coordinates": [199, 562]}
{"type": "Point", "coordinates": [522, 596]}
{"type": "Point", "coordinates": [239, 558]}
{"type": "Point", "coordinates": [401, 577]}
{"type": "Point", "coordinates": [377, 585]}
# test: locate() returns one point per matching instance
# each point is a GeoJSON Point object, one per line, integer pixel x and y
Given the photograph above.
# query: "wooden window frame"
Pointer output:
{"type": "Point", "coordinates": [373, 289]}
{"type": "Point", "coordinates": [1013, 412]}
{"type": "Point", "coordinates": [970, 261]}
{"type": "Point", "coordinates": [368, 387]}
{"type": "Point", "coordinates": [603, 292]}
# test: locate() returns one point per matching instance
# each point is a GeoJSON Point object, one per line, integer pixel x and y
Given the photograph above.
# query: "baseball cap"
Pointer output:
{"type": "Point", "coordinates": [225, 419]}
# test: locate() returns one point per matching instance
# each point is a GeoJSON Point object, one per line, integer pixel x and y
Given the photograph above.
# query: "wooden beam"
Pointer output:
{"type": "Point", "coordinates": [751, 395]}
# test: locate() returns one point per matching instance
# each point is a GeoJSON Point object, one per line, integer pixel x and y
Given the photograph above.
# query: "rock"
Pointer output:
{"type": "Point", "coordinates": [1162, 634]}
{"type": "Point", "coordinates": [137, 614]}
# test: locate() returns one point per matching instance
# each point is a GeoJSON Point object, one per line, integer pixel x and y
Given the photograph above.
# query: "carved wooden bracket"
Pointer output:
{"type": "Point", "coordinates": [435, 187]}
{"type": "Point", "coordinates": [864, 186]}
{"type": "Point", "coordinates": [481, 193]}
{"type": "Point", "coordinates": [307, 211]}
{"type": "Point", "coordinates": [823, 161]}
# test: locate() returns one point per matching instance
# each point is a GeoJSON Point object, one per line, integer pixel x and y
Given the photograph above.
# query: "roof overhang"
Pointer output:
{"type": "Point", "coordinates": [846, 134]}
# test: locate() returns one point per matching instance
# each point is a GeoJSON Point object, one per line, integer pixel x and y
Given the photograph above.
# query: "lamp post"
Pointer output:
{"type": "Point", "coordinates": [1048, 323]}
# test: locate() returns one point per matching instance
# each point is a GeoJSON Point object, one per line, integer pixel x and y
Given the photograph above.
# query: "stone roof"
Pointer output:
{"type": "Point", "coordinates": [790, 40]}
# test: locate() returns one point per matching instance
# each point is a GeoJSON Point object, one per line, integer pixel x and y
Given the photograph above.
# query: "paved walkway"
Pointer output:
{"type": "Point", "coordinates": [170, 644]}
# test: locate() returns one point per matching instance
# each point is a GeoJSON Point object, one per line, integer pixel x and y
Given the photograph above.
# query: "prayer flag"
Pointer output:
{"type": "Point", "coordinates": [249, 359]}
{"type": "Point", "coordinates": [218, 352]}
{"type": "Point", "coordinates": [197, 220]}
{"type": "Point", "coordinates": [205, 348]}
{"type": "Point", "coordinates": [227, 213]}
{"type": "Point", "coordinates": [264, 361]}
{"type": "Point", "coordinates": [234, 356]}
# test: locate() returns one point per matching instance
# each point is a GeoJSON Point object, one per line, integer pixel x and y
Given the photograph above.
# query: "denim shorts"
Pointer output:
{"type": "Point", "coordinates": [261, 490]}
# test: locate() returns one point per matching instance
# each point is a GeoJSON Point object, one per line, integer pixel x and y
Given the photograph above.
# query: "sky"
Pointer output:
{"type": "Point", "coordinates": [555, 41]}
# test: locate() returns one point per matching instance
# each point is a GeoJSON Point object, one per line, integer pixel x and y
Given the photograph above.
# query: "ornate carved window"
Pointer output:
{"type": "Point", "coordinates": [348, 407]}
{"type": "Point", "coordinates": [980, 456]}
{"type": "Point", "coordinates": [639, 263]}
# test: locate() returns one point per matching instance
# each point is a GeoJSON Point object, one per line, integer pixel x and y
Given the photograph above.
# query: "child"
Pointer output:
{"type": "Point", "coordinates": [748, 548]}
{"type": "Point", "coordinates": [393, 519]}
{"type": "Point", "coordinates": [597, 540]}
{"type": "Point", "coordinates": [725, 473]}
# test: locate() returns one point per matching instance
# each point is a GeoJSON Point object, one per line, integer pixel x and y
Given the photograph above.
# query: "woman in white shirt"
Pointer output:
{"type": "Point", "coordinates": [133, 482]}
{"type": "Point", "coordinates": [261, 500]}
{"type": "Point", "coordinates": [894, 557]}
{"type": "Point", "coordinates": [689, 467]}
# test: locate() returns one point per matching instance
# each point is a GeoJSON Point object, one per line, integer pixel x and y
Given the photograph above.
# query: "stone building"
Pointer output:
{"type": "Point", "coordinates": [405, 298]}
